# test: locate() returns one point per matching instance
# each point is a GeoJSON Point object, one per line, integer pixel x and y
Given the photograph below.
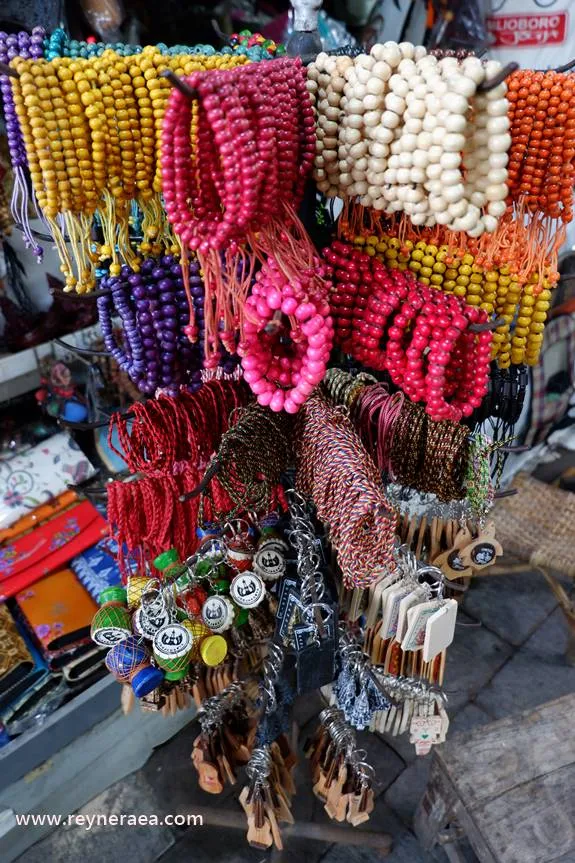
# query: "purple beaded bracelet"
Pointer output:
{"type": "Point", "coordinates": [29, 47]}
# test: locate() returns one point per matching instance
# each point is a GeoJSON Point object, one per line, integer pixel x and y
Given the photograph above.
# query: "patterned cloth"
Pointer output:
{"type": "Point", "coordinates": [97, 569]}
{"type": "Point", "coordinates": [49, 547]}
{"type": "Point", "coordinates": [41, 473]}
{"type": "Point", "coordinates": [15, 658]}
{"type": "Point", "coordinates": [59, 611]}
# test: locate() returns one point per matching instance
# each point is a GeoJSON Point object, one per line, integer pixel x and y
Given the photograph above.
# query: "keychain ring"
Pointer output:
{"type": "Point", "coordinates": [237, 532]}
{"type": "Point", "coordinates": [308, 611]}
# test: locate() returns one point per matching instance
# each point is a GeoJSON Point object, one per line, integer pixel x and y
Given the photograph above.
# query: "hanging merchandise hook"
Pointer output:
{"type": "Point", "coordinates": [567, 67]}
{"type": "Point", "coordinates": [202, 486]}
{"type": "Point", "coordinates": [509, 492]}
{"type": "Point", "coordinates": [86, 351]}
{"type": "Point", "coordinates": [490, 325]}
{"type": "Point", "coordinates": [179, 84]}
{"type": "Point", "coordinates": [87, 426]}
{"type": "Point", "coordinates": [497, 79]}
{"type": "Point", "coordinates": [8, 70]}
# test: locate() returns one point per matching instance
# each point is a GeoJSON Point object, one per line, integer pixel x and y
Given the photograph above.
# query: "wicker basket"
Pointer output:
{"type": "Point", "coordinates": [538, 524]}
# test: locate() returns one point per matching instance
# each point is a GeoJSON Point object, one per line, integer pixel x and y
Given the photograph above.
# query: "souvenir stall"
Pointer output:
{"type": "Point", "coordinates": [325, 277]}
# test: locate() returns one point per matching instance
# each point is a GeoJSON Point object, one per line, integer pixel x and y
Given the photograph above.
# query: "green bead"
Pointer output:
{"type": "Point", "coordinates": [183, 581]}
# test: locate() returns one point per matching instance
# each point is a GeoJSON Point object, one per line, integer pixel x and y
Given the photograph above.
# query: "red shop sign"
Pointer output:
{"type": "Point", "coordinates": [527, 31]}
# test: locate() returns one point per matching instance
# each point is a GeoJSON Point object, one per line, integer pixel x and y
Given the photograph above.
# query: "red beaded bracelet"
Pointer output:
{"type": "Point", "coordinates": [419, 335]}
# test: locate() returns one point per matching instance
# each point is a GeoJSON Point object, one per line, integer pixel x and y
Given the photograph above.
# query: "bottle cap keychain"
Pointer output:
{"type": "Point", "coordinates": [173, 647]}
{"type": "Point", "coordinates": [155, 611]}
{"type": "Point", "coordinates": [247, 590]}
{"type": "Point", "coordinates": [213, 650]}
{"type": "Point", "coordinates": [269, 562]}
{"type": "Point", "coordinates": [146, 624]}
{"type": "Point", "coordinates": [218, 613]}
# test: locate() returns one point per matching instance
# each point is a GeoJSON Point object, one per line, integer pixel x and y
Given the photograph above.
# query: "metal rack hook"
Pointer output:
{"type": "Point", "coordinates": [179, 84]}
{"type": "Point", "coordinates": [509, 492]}
{"type": "Point", "coordinates": [8, 70]}
{"type": "Point", "coordinates": [490, 325]}
{"type": "Point", "coordinates": [498, 79]}
{"type": "Point", "coordinates": [86, 351]}
{"type": "Point", "coordinates": [567, 67]}
{"type": "Point", "coordinates": [87, 426]}
{"type": "Point", "coordinates": [208, 476]}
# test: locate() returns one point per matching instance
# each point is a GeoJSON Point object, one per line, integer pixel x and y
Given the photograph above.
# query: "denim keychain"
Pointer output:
{"type": "Point", "coordinates": [315, 658]}
{"type": "Point", "coordinates": [355, 690]}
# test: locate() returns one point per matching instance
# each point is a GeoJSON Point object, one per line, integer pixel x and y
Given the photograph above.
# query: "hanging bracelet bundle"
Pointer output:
{"type": "Point", "coordinates": [421, 336]}
{"type": "Point", "coordinates": [336, 472]}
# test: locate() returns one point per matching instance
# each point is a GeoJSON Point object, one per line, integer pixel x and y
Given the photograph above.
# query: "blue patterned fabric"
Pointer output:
{"type": "Point", "coordinates": [96, 568]}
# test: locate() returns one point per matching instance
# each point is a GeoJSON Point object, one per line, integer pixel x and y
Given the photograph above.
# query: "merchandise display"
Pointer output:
{"type": "Point", "coordinates": [322, 425]}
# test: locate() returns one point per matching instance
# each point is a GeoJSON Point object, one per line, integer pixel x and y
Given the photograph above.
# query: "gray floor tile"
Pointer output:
{"type": "Point", "coordinates": [212, 845]}
{"type": "Point", "coordinates": [470, 717]}
{"type": "Point", "coordinates": [472, 660]}
{"type": "Point", "coordinates": [537, 673]}
{"type": "Point", "coordinates": [171, 773]}
{"type": "Point", "coordinates": [512, 606]}
{"type": "Point", "coordinates": [144, 844]}
{"type": "Point", "coordinates": [408, 789]}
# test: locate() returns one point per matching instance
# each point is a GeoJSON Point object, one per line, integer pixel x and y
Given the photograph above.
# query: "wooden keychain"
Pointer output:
{"type": "Point", "coordinates": [483, 550]}
{"type": "Point", "coordinates": [450, 562]}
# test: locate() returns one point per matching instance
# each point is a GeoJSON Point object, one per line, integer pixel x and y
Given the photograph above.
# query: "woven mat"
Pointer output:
{"type": "Point", "coordinates": [538, 524]}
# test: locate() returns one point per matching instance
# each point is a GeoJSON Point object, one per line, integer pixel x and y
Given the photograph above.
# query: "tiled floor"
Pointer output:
{"type": "Point", "coordinates": [508, 655]}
